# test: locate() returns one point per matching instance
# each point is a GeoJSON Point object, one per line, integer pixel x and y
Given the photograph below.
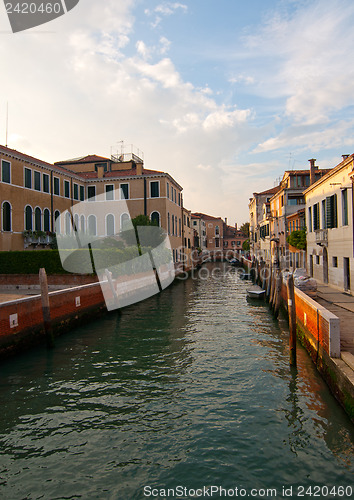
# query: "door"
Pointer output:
{"type": "Point", "coordinates": [346, 273]}
{"type": "Point", "coordinates": [325, 265]}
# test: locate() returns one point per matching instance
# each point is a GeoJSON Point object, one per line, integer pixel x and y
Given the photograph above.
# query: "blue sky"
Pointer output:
{"type": "Point", "coordinates": [223, 94]}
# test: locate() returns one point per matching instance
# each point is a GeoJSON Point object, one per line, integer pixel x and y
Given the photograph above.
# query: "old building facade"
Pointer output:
{"type": "Point", "coordinates": [329, 224]}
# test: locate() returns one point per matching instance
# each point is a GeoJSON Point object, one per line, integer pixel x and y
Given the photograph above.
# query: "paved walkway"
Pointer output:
{"type": "Point", "coordinates": [342, 305]}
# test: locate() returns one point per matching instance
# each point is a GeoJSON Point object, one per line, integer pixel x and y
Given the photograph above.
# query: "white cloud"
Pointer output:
{"type": "Point", "coordinates": [165, 9]}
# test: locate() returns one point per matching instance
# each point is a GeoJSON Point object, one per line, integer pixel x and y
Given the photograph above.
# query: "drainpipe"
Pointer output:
{"type": "Point", "coordinates": [145, 196]}
{"type": "Point", "coordinates": [51, 203]}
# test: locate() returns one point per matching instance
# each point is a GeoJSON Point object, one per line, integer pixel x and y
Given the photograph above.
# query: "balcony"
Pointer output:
{"type": "Point", "coordinates": [321, 236]}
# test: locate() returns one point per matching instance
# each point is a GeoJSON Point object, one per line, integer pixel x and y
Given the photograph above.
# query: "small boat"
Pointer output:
{"type": "Point", "coordinates": [235, 263]}
{"type": "Point", "coordinates": [255, 292]}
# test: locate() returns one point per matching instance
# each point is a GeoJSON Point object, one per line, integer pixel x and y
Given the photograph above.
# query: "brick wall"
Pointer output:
{"type": "Point", "coordinates": [21, 320]}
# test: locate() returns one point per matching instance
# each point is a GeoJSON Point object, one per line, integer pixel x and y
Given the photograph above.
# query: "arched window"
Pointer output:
{"type": "Point", "coordinates": [57, 221]}
{"type": "Point", "coordinates": [6, 216]}
{"type": "Point", "coordinates": [110, 225]}
{"type": "Point", "coordinates": [28, 218]}
{"type": "Point", "coordinates": [92, 226]}
{"type": "Point", "coordinates": [68, 227]}
{"type": "Point", "coordinates": [82, 223]}
{"type": "Point", "coordinates": [125, 222]}
{"type": "Point", "coordinates": [37, 219]}
{"type": "Point", "coordinates": [155, 218]}
{"type": "Point", "coordinates": [46, 220]}
{"type": "Point", "coordinates": [76, 222]}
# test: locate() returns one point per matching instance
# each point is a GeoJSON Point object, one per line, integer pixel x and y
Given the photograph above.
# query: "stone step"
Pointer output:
{"type": "Point", "coordinates": [348, 358]}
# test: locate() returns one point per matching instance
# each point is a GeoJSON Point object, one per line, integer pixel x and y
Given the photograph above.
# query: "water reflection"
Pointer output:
{"type": "Point", "coordinates": [191, 387]}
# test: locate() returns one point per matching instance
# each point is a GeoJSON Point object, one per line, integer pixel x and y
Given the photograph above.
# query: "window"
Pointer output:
{"type": "Point", "coordinates": [168, 190]}
{"type": "Point", "coordinates": [5, 171]}
{"type": "Point", "coordinates": [38, 219]}
{"type": "Point", "coordinates": [6, 216]}
{"type": "Point", "coordinates": [110, 225]}
{"type": "Point", "coordinates": [194, 223]}
{"type": "Point", "coordinates": [179, 199]}
{"type": "Point", "coordinates": [109, 189]}
{"type": "Point", "coordinates": [57, 221]}
{"type": "Point", "coordinates": [125, 222]}
{"type": "Point", "coordinates": [324, 214]}
{"type": "Point", "coordinates": [37, 180]}
{"type": "Point", "coordinates": [154, 189]}
{"type": "Point", "coordinates": [28, 178]}
{"type": "Point", "coordinates": [344, 207]}
{"type": "Point", "coordinates": [82, 193]}
{"type": "Point", "coordinates": [316, 216]}
{"type": "Point", "coordinates": [67, 189]}
{"type": "Point", "coordinates": [76, 192]}
{"type": "Point", "coordinates": [46, 183]}
{"type": "Point", "coordinates": [82, 223]}
{"type": "Point", "coordinates": [168, 223]}
{"type": "Point", "coordinates": [68, 226]}
{"type": "Point", "coordinates": [91, 193]}
{"type": "Point", "coordinates": [217, 230]}
{"type": "Point", "coordinates": [46, 220]}
{"type": "Point", "coordinates": [56, 186]}
{"type": "Point", "coordinates": [335, 261]}
{"type": "Point", "coordinates": [217, 242]}
{"type": "Point", "coordinates": [309, 224]}
{"type": "Point", "coordinates": [155, 218]}
{"type": "Point", "coordinates": [76, 222]}
{"type": "Point", "coordinates": [173, 225]}
{"type": "Point", "coordinates": [317, 259]}
{"type": "Point", "coordinates": [28, 218]}
{"type": "Point", "coordinates": [331, 211]}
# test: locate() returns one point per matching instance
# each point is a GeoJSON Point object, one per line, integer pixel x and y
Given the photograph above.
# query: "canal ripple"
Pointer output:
{"type": "Point", "coordinates": [191, 387]}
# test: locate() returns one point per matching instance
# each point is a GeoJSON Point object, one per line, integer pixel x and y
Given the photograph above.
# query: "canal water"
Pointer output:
{"type": "Point", "coordinates": [190, 389]}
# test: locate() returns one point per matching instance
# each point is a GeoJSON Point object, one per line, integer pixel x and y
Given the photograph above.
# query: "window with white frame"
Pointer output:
{"type": "Point", "coordinates": [6, 171]}
{"type": "Point", "coordinates": [154, 189]}
{"type": "Point", "coordinates": [45, 183]}
{"type": "Point", "coordinates": [37, 180]}
{"type": "Point", "coordinates": [28, 178]}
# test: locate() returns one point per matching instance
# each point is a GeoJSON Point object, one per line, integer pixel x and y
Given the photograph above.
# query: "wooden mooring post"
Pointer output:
{"type": "Point", "coordinates": [48, 329]}
{"type": "Point", "coordinates": [292, 320]}
{"type": "Point", "coordinates": [277, 293]}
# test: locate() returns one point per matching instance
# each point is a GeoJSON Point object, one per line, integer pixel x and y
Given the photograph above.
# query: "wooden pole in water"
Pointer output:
{"type": "Point", "coordinates": [277, 296]}
{"type": "Point", "coordinates": [45, 307]}
{"type": "Point", "coordinates": [292, 320]}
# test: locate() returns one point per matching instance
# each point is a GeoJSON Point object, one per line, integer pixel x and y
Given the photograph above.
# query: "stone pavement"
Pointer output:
{"type": "Point", "coordinates": [342, 305]}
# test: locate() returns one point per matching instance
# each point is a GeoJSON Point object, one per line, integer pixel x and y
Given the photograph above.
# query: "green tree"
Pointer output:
{"type": "Point", "coordinates": [297, 239]}
{"type": "Point", "coordinates": [246, 245]}
{"type": "Point", "coordinates": [245, 228]}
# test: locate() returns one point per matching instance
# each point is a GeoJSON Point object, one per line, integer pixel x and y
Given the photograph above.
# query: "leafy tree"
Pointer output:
{"type": "Point", "coordinates": [246, 245]}
{"type": "Point", "coordinates": [297, 239]}
{"type": "Point", "coordinates": [245, 228]}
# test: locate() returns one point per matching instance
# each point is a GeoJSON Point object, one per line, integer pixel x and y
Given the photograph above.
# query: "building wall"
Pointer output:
{"type": "Point", "coordinates": [339, 244]}
{"type": "Point", "coordinates": [168, 205]}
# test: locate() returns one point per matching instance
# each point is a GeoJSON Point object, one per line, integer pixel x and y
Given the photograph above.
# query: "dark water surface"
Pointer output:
{"type": "Point", "coordinates": [190, 388]}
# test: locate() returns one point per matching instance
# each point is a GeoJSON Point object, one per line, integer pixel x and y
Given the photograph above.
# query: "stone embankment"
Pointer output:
{"type": "Point", "coordinates": [319, 331]}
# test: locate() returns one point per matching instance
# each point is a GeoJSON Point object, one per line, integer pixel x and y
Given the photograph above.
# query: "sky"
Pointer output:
{"type": "Point", "coordinates": [224, 95]}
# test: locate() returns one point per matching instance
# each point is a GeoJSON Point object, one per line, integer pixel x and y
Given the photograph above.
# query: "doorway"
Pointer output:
{"type": "Point", "coordinates": [346, 269]}
{"type": "Point", "coordinates": [325, 265]}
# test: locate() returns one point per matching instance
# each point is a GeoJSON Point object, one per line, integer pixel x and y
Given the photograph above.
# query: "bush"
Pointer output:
{"type": "Point", "coordinates": [29, 262]}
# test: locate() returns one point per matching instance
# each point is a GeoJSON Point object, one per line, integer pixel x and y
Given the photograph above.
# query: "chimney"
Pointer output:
{"type": "Point", "coordinates": [226, 220]}
{"type": "Point", "coordinates": [313, 169]}
{"type": "Point", "coordinates": [236, 225]}
{"type": "Point", "coordinates": [139, 169]}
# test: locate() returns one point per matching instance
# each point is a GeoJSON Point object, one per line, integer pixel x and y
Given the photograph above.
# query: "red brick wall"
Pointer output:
{"type": "Point", "coordinates": [63, 309]}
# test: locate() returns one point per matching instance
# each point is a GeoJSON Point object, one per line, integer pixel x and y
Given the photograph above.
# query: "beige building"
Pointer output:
{"type": "Point", "coordinates": [199, 226]}
{"type": "Point", "coordinates": [259, 211]}
{"type": "Point", "coordinates": [34, 193]}
{"type": "Point", "coordinates": [329, 222]}
{"type": "Point", "coordinates": [214, 232]}
{"type": "Point", "coordinates": [287, 200]}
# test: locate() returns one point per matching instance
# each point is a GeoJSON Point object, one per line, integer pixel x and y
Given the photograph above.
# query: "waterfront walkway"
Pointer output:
{"type": "Point", "coordinates": [342, 305]}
